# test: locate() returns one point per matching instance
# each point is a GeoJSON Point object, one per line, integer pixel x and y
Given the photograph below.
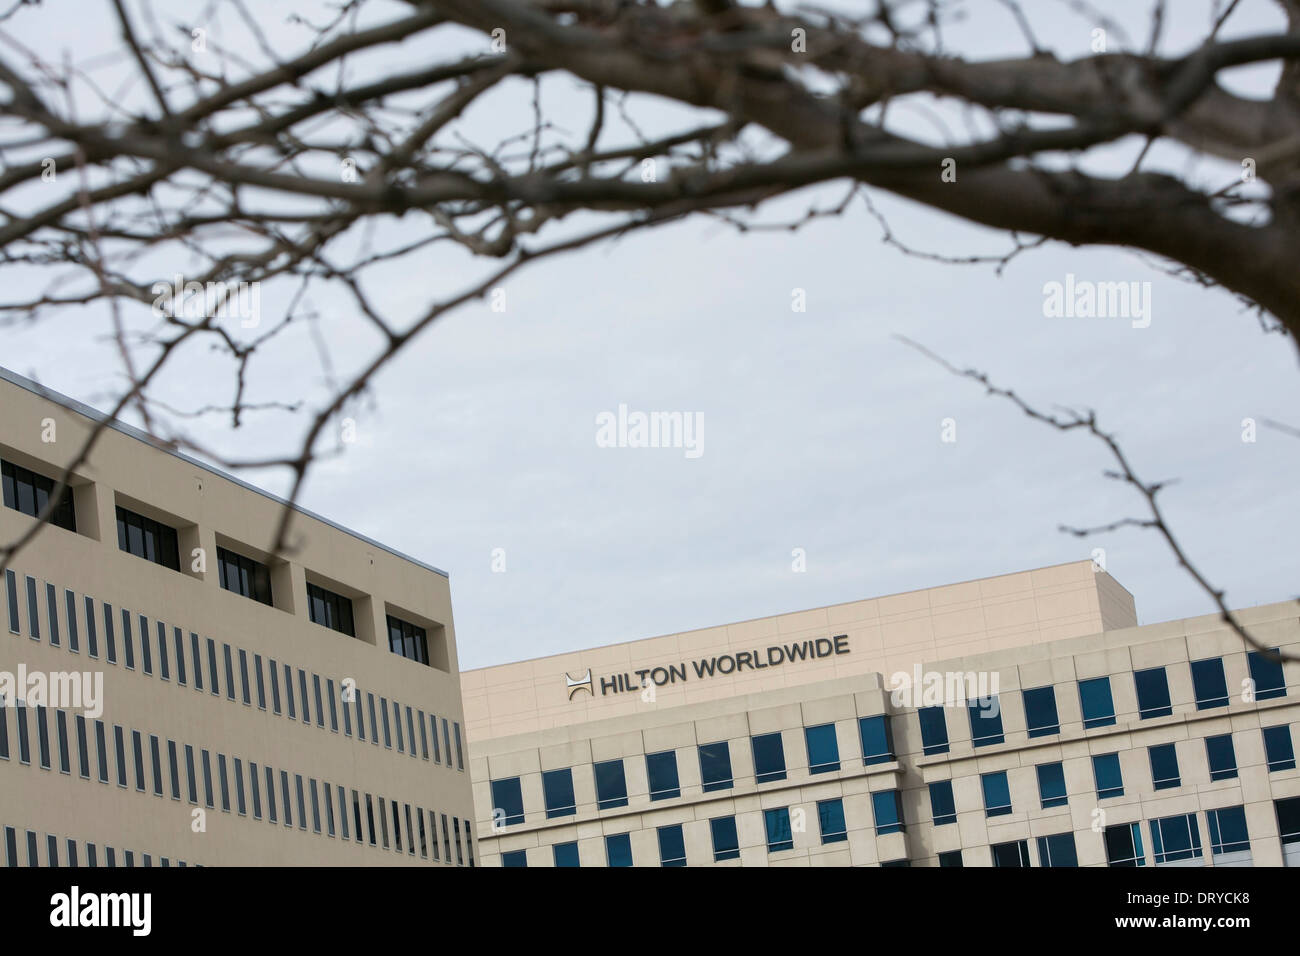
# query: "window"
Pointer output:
{"type": "Point", "coordinates": [997, 794]}
{"type": "Point", "coordinates": [661, 772]}
{"type": "Point", "coordinates": [942, 804]}
{"type": "Point", "coordinates": [1222, 758]}
{"type": "Point", "coordinates": [888, 810]}
{"type": "Point", "coordinates": [1277, 748]}
{"type": "Point", "coordinates": [1040, 712]}
{"type": "Point", "coordinates": [507, 801]}
{"type": "Point", "coordinates": [1106, 772]}
{"type": "Point", "coordinates": [1057, 850]}
{"type": "Point", "coordinates": [1152, 693]}
{"type": "Point", "coordinates": [951, 858]}
{"type": "Point", "coordinates": [823, 749]}
{"type": "Point", "coordinates": [830, 817]}
{"type": "Point", "coordinates": [566, 854]}
{"type": "Point", "coordinates": [672, 846]}
{"type": "Point", "coordinates": [715, 766]}
{"type": "Point", "coordinates": [407, 640]}
{"type": "Point", "coordinates": [1228, 831]}
{"type": "Point", "coordinates": [779, 836]}
{"type": "Point", "coordinates": [557, 787]}
{"type": "Point", "coordinates": [515, 858]}
{"type": "Point", "coordinates": [1209, 683]}
{"type": "Point", "coordinates": [244, 576]}
{"type": "Point", "coordinates": [611, 785]}
{"type": "Point", "coordinates": [148, 539]}
{"type": "Point", "coordinates": [1015, 853]}
{"type": "Point", "coordinates": [1266, 675]}
{"type": "Point", "coordinates": [330, 610]}
{"type": "Point", "coordinates": [618, 849]}
{"type": "Point", "coordinates": [1051, 785]}
{"type": "Point", "coordinates": [29, 493]}
{"type": "Point", "coordinates": [1175, 838]}
{"type": "Point", "coordinates": [877, 739]}
{"type": "Point", "coordinates": [1164, 766]}
{"type": "Point", "coordinates": [1288, 823]}
{"type": "Point", "coordinates": [1124, 845]}
{"type": "Point", "coordinates": [934, 731]}
{"type": "Point", "coordinates": [1097, 705]}
{"type": "Point", "coordinates": [769, 757]}
{"type": "Point", "coordinates": [985, 721]}
{"type": "Point", "coordinates": [726, 845]}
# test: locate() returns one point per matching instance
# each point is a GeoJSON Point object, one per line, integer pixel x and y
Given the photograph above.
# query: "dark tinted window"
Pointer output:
{"type": "Point", "coordinates": [1266, 673]}
{"type": "Point", "coordinates": [1051, 785]}
{"type": "Point", "coordinates": [951, 858]}
{"type": "Point", "coordinates": [985, 721]}
{"type": "Point", "coordinates": [244, 576]}
{"type": "Point", "coordinates": [407, 640]}
{"type": "Point", "coordinates": [779, 836]}
{"type": "Point", "coordinates": [997, 794]}
{"type": "Point", "coordinates": [1015, 853]}
{"type": "Point", "coordinates": [148, 539]}
{"type": "Point", "coordinates": [888, 811]}
{"type": "Point", "coordinates": [1176, 838]}
{"type": "Point", "coordinates": [726, 845]}
{"type": "Point", "coordinates": [823, 749]}
{"type": "Point", "coordinates": [1095, 700]}
{"type": "Point", "coordinates": [618, 849]}
{"type": "Point", "coordinates": [769, 757]}
{"type": "Point", "coordinates": [330, 610]}
{"type": "Point", "coordinates": [1152, 693]}
{"type": "Point", "coordinates": [942, 804]}
{"type": "Point", "coordinates": [1222, 758]}
{"type": "Point", "coordinates": [566, 854]}
{"type": "Point", "coordinates": [672, 847]}
{"type": "Point", "coordinates": [1164, 766]}
{"type": "Point", "coordinates": [877, 739]}
{"type": "Point", "coordinates": [1057, 850]}
{"type": "Point", "coordinates": [1040, 712]}
{"type": "Point", "coordinates": [661, 770]}
{"type": "Point", "coordinates": [830, 819]}
{"type": "Point", "coordinates": [29, 493]}
{"type": "Point", "coordinates": [507, 801]}
{"type": "Point", "coordinates": [515, 858]}
{"type": "Point", "coordinates": [934, 730]}
{"type": "Point", "coordinates": [715, 766]}
{"type": "Point", "coordinates": [557, 787]}
{"type": "Point", "coordinates": [611, 785]}
{"type": "Point", "coordinates": [1277, 748]}
{"type": "Point", "coordinates": [1228, 830]}
{"type": "Point", "coordinates": [1209, 683]}
{"type": "Point", "coordinates": [1106, 772]}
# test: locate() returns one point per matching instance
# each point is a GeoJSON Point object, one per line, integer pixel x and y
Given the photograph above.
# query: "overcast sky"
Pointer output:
{"type": "Point", "coordinates": [821, 431]}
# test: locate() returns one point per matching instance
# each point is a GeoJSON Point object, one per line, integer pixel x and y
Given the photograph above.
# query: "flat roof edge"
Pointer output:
{"type": "Point", "coordinates": [95, 415]}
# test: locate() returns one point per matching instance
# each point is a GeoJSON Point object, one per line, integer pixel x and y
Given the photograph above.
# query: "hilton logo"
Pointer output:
{"type": "Point", "coordinates": [576, 685]}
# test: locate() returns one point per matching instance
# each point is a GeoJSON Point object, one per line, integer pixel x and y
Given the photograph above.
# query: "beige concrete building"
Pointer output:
{"type": "Point", "coordinates": [1018, 720]}
{"type": "Point", "coordinates": [175, 695]}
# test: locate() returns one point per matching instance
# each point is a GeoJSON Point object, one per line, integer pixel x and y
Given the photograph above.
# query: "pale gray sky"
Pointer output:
{"type": "Point", "coordinates": [821, 432]}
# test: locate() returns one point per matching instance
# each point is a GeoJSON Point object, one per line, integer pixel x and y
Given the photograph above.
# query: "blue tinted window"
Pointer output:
{"type": "Point", "coordinates": [557, 787]}
{"type": "Point", "coordinates": [1164, 766]}
{"type": "Point", "coordinates": [661, 770]}
{"type": "Point", "coordinates": [611, 785]}
{"type": "Point", "coordinates": [1223, 759]}
{"type": "Point", "coordinates": [1176, 838]}
{"type": "Point", "coordinates": [997, 794]}
{"type": "Point", "coordinates": [1228, 830]}
{"type": "Point", "coordinates": [1152, 693]}
{"type": "Point", "coordinates": [1040, 712]}
{"type": "Point", "coordinates": [1051, 785]}
{"type": "Point", "coordinates": [769, 757]}
{"type": "Point", "coordinates": [1057, 850]}
{"type": "Point", "coordinates": [985, 721]}
{"type": "Point", "coordinates": [1209, 683]}
{"type": "Point", "coordinates": [1277, 748]}
{"type": "Point", "coordinates": [1096, 703]}
{"type": "Point", "coordinates": [1267, 675]}
{"type": "Point", "coordinates": [1124, 845]}
{"type": "Point", "coordinates": [830, 817]}
{"type": "Point", "coordinates": [942, 804]}
{"type": "Point", "coordinates": [507, 801]}
{"type": "Point", "coordinates": [934, 731]}
{"type": "Point", "coordinates": [1015, 853]}
{"type": "Point", "coordinates": [823, 750]}
{"type": "Point", "coordinates": [888, 811]}
{"type": "Point", "coordinates": [618, 849]}
{"type": "Point", "coordinates": [515, 858]}
{"type": "Point", "coordinates": [566, 854]}
{"type": "Point", "coordinates": [877, 739]}
{"type": "Point", "coordinates": [726, 845]}
{"type": "Point", "coordinates": [715, 766]}
{"type": "Point", "coordinates": [1105, 770]}
{"type": "Point", "coordinates": [672, 846]}
{"type": "Point", "coordinates": [779, 836]}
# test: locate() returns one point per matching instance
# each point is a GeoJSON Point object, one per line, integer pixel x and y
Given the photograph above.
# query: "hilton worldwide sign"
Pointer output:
{"type": "Point", "coordinates": [704, 668]}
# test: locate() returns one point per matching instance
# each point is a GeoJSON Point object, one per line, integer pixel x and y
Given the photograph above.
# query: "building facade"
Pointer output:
{"type": "Point", "coordinates": [1023, 720]}
{"type": "Point", "coordinates": [174, 695]}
